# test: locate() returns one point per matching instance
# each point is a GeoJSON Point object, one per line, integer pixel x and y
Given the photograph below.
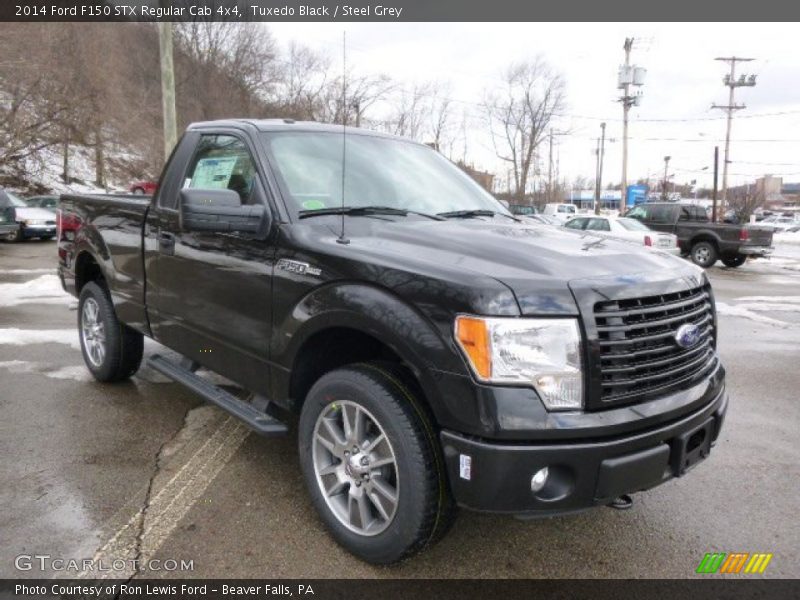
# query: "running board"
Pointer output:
{"type": "Point", "coordinates": [262, 423]}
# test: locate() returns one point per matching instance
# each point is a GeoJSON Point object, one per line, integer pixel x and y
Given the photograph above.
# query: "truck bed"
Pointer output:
{"type": "Point", "coordinates": [112, 226]}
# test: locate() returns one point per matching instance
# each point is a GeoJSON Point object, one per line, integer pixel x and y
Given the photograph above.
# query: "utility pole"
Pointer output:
{"type": "Point", "coordinates": [714, 194]}
{"type": "Point", "coordinates": [550, 170]}
{"type": "Point", "coordinates": [167, 87]}
{"type": "Point", "coordinates": [732, 83]}
{"type": "Point", "coordinates": [664, 188]}
{"type": "Point", "coordinates": [601, 147]}
{"type": "Point", "coordinates": [629, 75]}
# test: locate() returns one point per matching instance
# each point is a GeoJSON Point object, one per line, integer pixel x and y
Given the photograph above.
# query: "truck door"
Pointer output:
{"type": "Point", "coordinates": [209, 296]}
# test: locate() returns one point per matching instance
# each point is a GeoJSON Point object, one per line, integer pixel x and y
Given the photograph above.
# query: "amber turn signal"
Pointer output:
{"type": "Point", "coordinates": [473, 337]}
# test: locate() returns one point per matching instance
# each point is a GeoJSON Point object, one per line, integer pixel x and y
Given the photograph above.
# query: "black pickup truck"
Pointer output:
{"type": "Point", "coordinates": [705, 242]}
{"type": "Point", "coordinates": [438, 352]}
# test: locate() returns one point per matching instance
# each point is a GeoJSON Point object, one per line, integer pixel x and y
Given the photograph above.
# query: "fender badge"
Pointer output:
{"type": "Point", "coordinates": [301, 268]}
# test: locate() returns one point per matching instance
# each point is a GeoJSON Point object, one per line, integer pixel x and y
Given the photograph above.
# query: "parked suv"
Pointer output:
{"type": "Point", "coordinates": [705, 242]}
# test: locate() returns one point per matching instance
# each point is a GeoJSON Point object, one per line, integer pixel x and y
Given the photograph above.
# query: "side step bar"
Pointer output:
{"type": "Point", "coordinates": [259, 421]}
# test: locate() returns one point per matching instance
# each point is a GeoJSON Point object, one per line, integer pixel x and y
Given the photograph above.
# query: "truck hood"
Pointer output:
{"type": "Point", "coordinates": [28, 212]}
{"type": "Point", "coordinates": [536, 262]}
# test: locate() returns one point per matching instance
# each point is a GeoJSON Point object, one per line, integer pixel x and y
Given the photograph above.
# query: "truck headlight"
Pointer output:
{"type": "Point", "coordinates": [33, 221]}
{"type": "Point", "coordinates": [542, 353]}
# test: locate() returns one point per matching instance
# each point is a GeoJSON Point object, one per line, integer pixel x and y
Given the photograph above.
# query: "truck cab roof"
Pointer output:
{"type": "Point", "coordinates": [272, 125]}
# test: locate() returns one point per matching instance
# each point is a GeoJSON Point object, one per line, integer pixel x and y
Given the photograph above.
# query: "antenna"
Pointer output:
{"type": "Point", "coordinates": [341, 239]}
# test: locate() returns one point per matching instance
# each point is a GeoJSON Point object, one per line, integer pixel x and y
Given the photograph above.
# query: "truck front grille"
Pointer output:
{"type": "Point", "coordinates": [639, 356]}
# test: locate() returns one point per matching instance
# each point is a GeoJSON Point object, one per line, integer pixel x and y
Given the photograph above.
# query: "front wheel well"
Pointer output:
{"type": "Point", "coordinates": [331, 349]}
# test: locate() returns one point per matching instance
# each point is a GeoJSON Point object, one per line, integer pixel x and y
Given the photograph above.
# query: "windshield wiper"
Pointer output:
{"type": "Point", "coordinates": [364, 210]}
{"type": "Point", "coordinates": [476, 212]}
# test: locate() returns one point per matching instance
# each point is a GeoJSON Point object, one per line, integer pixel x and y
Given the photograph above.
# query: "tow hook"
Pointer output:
{"type": "Point", "coordinates": [623, 502]}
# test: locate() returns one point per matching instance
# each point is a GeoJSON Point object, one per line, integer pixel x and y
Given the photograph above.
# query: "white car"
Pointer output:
{"type": "Point", "coordinates": [779, 224]}
{"type": "Point", "coordinates": [31, 222]}
{"type": "Point", "coordinates": [625, 229]}
{"type": "Point", "coordinates": [560, 212]}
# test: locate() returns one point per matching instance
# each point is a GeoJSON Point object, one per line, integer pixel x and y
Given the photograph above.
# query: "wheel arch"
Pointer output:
{"type": "Point", "coordinates": [348, 323]}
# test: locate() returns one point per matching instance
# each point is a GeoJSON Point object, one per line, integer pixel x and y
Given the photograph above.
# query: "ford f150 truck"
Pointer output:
{"type": "Point", "coordinates": [438, 351]}
{"type": "Point", "coordinates": [705, 242]}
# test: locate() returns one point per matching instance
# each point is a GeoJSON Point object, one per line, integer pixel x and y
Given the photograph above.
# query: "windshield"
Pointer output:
{"type": "Point", "coordinates": [633, 225]}
{"type": "Point", "coordinates": [378, 172]}
{"type": "Point", "coordinates": [566, 208]}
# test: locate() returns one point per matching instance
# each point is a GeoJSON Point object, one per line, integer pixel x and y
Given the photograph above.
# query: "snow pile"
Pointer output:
{"type": "Point", "coordinates": [13, 336]}
{"type": "Point", "coordinates": [786, 237]}
{"type": "Point", "coordinates": [42, 290]}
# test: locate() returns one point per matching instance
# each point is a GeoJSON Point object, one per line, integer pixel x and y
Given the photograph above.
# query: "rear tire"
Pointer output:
{"type": "Point", "coordinates": [112, 351]}
{"type": "Point", "coordinates": [734, 261]}
{"type": "Point", "coordinates": [704, 254]}
{"type": "Point", "coordinates": [384, 501]}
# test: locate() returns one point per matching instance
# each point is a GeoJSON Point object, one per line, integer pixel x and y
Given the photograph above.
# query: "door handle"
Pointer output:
{"type": "Point", "coordinates": [166, 242]}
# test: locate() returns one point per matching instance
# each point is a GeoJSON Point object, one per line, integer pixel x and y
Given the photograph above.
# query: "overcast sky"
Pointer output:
{"type": "Point", "coordinates": [683, 79]}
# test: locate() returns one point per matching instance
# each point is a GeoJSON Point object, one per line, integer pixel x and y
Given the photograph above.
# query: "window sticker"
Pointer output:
{"type": "Point", "coordinates": [213, 173]}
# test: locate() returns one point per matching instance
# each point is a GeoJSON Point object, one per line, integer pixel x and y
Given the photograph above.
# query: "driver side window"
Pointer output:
{"type": "Point", "coordinates": [222, 162]}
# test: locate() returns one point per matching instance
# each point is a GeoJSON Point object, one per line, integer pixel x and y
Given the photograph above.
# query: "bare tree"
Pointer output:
{"type": "Point", "coordinates": [744, 200]}
{"type": "Point", "coordinates": [441, 117]}
{"type": "Point", "coordinates": [519, 116]}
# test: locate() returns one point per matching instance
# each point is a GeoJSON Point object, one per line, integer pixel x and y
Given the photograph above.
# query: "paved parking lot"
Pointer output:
{"type": "Point", "coordinates": [79, 460]}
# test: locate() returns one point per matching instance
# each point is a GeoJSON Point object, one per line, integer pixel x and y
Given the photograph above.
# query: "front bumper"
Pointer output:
{"type": "Point", "coordinates": [494, 477]}
{"type": "Point", "coordinates": [30, 231]}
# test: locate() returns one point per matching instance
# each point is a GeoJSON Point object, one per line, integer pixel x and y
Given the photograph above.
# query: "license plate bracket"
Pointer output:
{"type": "Point", "coordinates": [692, 447]}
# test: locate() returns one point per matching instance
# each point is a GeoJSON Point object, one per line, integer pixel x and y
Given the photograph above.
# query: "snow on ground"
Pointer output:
{"type": "Point", "coordinates": [13, 336]}
{"type": "Point", "coordinates": [788, 237]}
{"type": "Point", "coordinates": [46, 171]}
{"type": "Point", "coordinates": [77, 372]}
{"type": "Point", "coordinates": [42, 290]}
{"type": "Point", "coordinates": [25, 271]}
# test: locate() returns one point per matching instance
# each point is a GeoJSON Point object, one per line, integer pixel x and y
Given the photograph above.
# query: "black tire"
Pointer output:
{"type": "Point", "coordinates": [46, 238]}
{"type": "Point", "coordinates": [15, 236]}
{"type": "Point", "coordinates": [704, 254]}
{"type": "Point", "coordinates": [734, 261]}
{"type": "Point", "coordinates": [138, 191]}
{"type": "Point", "coordinates": [123, 347]}
{"type": "Point", "coordinates": [424, 507]}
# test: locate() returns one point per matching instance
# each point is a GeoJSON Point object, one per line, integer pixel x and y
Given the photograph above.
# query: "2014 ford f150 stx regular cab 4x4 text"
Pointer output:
{"type": "Point", "coordinates": [438, 351]}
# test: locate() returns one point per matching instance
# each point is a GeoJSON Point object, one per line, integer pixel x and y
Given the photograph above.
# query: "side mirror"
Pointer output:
{"type": "Point", "coordinates": [218, 211]}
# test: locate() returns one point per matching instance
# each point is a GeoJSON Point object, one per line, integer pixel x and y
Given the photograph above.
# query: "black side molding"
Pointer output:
{"type": "Point", "coordinates": [260, 422]}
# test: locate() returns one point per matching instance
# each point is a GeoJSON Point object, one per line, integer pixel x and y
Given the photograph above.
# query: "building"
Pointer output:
{"type": "Point", "coordinates": [585, 198]}
{"type": "Point", "coordinates": [484, 178]}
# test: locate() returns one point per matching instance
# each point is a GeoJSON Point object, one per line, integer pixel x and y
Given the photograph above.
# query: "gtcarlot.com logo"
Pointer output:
{"type": "Point", "coordinates": [735, 562]}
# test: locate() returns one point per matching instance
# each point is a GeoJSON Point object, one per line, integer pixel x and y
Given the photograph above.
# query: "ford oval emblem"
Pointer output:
{"type": "Point", "coordinates": [687, 335]}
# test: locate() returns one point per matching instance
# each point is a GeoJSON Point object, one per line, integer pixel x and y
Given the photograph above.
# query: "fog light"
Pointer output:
{"type": "Point", "coordinates": [538, 480]}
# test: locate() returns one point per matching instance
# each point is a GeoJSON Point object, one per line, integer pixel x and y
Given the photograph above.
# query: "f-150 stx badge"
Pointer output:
{"type": "Point", "coordinates": [301, 268]}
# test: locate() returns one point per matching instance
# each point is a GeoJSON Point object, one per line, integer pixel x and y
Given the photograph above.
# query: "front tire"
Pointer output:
{"type": "Point", "coordinates": [112, 351]}
{"type": "Point", "coordinates": [704, 254]}
{"type": "Point", "coordinates": [372, 464]}
{"type": "Point", "coordinates": [734, 261]}
{"type": "Point", "coordinates": [15, 236]}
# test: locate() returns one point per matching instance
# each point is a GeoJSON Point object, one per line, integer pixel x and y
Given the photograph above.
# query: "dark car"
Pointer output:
{"type": "Point", "coordinates": [437, 351]}
{"type": "Point", "coordinates": [705, 242]}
